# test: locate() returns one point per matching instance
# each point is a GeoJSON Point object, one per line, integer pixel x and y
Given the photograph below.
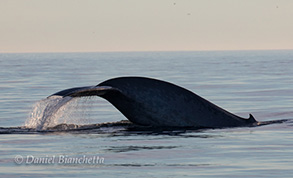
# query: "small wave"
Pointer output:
{"type": "Point", "coordinates": [123, 127]}
{"type": "Point", "coordinates": [93, 128]}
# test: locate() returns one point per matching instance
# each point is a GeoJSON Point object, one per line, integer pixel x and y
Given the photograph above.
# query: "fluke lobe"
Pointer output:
{"type": "Point", "coordinates": [156, 103]}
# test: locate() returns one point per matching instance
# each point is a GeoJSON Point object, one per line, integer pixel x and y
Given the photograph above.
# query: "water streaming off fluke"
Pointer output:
{"type": "Point", "coordinates": [46, 112]}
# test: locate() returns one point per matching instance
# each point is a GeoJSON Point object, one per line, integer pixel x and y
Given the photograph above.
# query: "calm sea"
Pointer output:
{"type": "Point", "coordinates": [243, 82]}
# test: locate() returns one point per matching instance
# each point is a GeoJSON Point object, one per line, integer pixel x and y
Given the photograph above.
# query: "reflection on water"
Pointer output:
{"type": "Point", "coordinates": [137, 148]}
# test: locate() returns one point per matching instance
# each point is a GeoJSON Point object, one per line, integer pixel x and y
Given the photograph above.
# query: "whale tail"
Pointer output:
{"type": "Point", "coordinates": [151, 102]}
{"type": "Point", "coordinates": [86, 91]}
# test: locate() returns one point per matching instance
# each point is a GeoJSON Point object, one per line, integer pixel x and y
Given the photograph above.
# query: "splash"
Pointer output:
{"type": "Point", "coordinates": [54, 110]}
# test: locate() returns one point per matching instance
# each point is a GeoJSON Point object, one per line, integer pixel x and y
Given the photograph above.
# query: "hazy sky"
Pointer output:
{"type": "Point", "coordinates": [144, 25]}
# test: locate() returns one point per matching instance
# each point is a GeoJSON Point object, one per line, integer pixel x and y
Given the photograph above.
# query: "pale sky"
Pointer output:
{"type": "Point", "coordinates": [144, 25]}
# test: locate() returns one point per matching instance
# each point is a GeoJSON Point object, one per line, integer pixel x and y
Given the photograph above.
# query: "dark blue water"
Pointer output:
{"type": "Point", "coordinates": [243, 82]}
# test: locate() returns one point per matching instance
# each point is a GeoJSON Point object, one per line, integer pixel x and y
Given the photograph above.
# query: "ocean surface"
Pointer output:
{"type": "Point", "coordinates": [242, 82]}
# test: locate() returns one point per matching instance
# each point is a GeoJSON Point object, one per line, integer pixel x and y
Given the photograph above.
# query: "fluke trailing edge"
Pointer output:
{"type": "Point", "coordinates": [152, 102]}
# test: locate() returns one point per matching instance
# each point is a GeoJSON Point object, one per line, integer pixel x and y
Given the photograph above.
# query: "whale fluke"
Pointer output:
{"type": "Point", "coordinates": [85, 91]}
{"type": "Point", "coordinates": [152, 102]}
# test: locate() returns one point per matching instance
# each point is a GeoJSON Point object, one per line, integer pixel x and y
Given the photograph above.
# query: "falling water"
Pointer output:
{"type": "Point", "coordinates": [54, 110]}
{"type": "Point", "coordinates": [46, 112]}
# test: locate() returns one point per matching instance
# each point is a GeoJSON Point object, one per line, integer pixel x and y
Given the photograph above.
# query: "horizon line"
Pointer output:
{"type": "Point", "coordinates": [138, 51]}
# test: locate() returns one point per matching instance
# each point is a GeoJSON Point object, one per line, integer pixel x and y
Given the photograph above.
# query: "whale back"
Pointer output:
{"type": "Point", "coordinates": [153, 102]}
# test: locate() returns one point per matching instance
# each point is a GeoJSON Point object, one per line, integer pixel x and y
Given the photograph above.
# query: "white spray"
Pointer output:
{"type": "Point", "coordinates": [55, 110]}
